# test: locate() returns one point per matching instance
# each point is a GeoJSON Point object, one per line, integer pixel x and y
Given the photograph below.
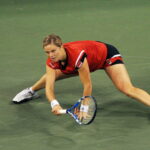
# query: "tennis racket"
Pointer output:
{"type": "Point", "coordinates": [83, 117]}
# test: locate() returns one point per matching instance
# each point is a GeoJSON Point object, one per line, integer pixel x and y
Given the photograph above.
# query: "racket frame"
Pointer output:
{"type": "Point", "coordinates": [68, 111]}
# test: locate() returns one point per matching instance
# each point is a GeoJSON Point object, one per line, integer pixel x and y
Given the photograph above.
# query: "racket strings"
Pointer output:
{"type": "Point", "coordinates": [90, 113]}
{"type": "Point", "coordinates": [86, 117]}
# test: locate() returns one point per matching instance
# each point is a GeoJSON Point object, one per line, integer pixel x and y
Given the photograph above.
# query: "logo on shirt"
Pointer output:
{"type": "Point", "coordinates": [79, 63]}
{"type": "Point", "coordinates": [53, 66]}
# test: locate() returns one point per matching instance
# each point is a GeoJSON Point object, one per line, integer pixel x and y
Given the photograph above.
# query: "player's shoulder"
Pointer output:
{"type": "Point", "coordinates": [75, 47]}
{"type": "Point", "coordinates": [79, 42]}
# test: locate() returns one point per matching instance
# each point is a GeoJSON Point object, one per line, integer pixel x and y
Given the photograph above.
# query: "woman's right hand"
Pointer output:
{"type": "Point", "coordinates": [56, 110]}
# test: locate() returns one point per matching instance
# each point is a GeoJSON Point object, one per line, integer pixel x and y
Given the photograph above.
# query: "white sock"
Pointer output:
{"type": "Point", "coordinates": [31, 90]}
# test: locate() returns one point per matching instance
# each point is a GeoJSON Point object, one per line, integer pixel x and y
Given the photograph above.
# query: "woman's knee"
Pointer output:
{"type": "Point", "coordinates": [127, 90]}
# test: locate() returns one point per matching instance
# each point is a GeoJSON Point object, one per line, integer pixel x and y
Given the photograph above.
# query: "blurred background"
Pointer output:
{"type": "Point", "coordinates": [121, 122]}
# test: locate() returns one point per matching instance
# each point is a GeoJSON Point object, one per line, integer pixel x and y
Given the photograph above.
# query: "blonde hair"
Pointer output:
{"type": "Point", "coordinates": [52, 39]}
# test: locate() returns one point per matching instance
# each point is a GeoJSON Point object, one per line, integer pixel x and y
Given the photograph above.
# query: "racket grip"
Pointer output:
{"type": "Point", "coordinates": [63, 111]}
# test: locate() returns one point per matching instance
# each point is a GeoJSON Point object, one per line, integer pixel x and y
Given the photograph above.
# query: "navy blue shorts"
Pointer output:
{"type": "Point", "coordinates": [112, 52]}
{"type": "Point", "coordinates": [113, 56]}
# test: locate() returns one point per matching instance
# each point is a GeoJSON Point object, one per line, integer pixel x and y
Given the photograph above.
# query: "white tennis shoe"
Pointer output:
{"type": "Point", "coordinates": [25, 95]}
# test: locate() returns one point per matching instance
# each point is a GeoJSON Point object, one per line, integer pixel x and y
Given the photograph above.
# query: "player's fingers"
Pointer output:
{"type": "Point", "coordinates": [76, 111]}
{"type": "Point", "coordinates": [54, 112]}
{"type": "Point", "coordinates": [85, 115]}
{"type": "Point", "coordinates": [80, 115]}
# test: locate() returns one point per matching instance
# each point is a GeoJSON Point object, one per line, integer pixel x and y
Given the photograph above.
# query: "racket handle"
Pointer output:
{"type": "Point", "coordinates": [63, 111]}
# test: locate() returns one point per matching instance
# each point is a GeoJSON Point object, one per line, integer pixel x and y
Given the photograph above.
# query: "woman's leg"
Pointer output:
{"type": "Point", "coordinates": [119, 76]}
{"type": "Point", "coordinates": [40, 84]}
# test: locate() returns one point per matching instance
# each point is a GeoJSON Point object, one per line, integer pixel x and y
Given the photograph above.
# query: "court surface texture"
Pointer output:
{"type": "Point", "coordinates": [121, 122]}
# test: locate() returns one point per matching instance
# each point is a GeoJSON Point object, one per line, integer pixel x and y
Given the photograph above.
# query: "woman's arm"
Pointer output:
{"type": "Point", "coordinates": [85, 78]}
{"type": "Point", "coordinates": [49, 88]}
{"type": "Point", "coordinates": [50, 81]}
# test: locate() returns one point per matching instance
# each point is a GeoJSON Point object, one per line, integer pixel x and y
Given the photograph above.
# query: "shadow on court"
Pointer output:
{"type": "Point", "coordinates": [117, 120]}
{"type": "Point", "coordinates": [121, 123]}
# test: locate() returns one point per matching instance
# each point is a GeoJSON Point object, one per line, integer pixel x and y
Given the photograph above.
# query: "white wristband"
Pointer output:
{"type": "Point", "coordinates": [54, 103]}
{"type": "Point", "coordinates": [84, 108]}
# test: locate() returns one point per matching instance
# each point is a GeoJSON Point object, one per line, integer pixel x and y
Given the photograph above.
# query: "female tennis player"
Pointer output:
{"type": "Point", "coordinates": [80, 58]}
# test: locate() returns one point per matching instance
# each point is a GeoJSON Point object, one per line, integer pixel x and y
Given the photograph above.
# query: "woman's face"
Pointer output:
{"type": "Point", "coordinates": [54, 52]}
